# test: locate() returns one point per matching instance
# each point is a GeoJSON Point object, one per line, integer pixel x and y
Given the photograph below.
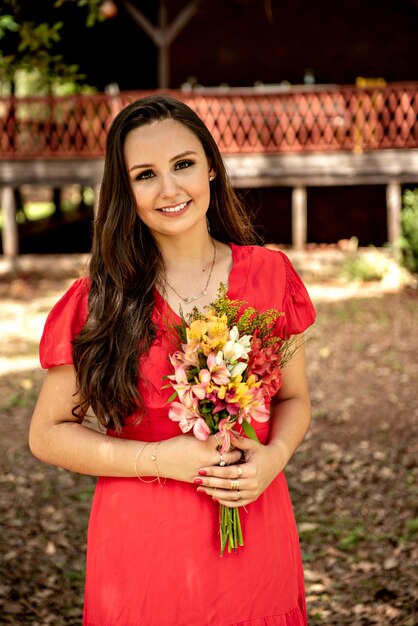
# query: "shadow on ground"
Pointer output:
{"type": "Point", "coordinates": [353, 481]}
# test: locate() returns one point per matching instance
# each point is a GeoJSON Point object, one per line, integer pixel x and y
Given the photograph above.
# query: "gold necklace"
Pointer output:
{"type": "Point", "coordinates": [204, 291]}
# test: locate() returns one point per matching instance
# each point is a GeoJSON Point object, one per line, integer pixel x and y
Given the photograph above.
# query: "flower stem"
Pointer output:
{"type": "Point", "coordinates": [230, 530]}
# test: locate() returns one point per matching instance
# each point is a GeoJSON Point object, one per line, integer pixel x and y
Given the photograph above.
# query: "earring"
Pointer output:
{"type": "Point", "coordinates": [211, 178]}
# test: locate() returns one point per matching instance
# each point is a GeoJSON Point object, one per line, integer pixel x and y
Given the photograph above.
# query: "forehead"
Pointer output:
{"type": "Point", "coordinates": [161, 139]}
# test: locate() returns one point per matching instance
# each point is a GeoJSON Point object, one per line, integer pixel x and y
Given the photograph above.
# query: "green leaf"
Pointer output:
{"type": "Point", "coordinates": [7, 23]}
{"type": "Point", "coordinates": [172, 397]}
{"type": "Point", "coordinates": [249, 431]}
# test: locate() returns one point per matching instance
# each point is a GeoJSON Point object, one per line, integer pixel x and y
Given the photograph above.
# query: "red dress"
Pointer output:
{"type": "Point", "coordinates": [153, 552]}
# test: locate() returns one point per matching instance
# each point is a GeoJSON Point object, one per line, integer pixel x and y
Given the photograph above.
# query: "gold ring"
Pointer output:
{"type": "Point", "coordinates": [239, 470]}
{"type": "Point", "coordinates": [239, 495]}
{"type": "Point", "coordinates": [222, 462]}
{"type": "Point", "coordinates": [235, 484]}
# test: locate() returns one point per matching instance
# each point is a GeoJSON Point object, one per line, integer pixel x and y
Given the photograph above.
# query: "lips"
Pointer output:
{"type": "Point", "coordinates": [175, 208]}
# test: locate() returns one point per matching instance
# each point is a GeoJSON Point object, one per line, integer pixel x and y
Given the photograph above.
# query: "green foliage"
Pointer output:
{"type": "Point", "coordinates": [37, 37]}
{"type": "Point", "coordinates": [29, 62]}
{"type": "Point", "coordinates": [7, 23]}
{"type": "Point", "coordinates": [250, 319]}
{"type": "Point", "coordinates": [367, 267]}
{"type": "Point", "coordinates": [409, 222]}
{"type": "Point", "coordinates": [351, 540]}
{"type": "Point", "coordinates": [376, 265]}
{"type": "Point", "coordinates": [411, 530]}
{"type": "Point", "coordinates": [93, 10]}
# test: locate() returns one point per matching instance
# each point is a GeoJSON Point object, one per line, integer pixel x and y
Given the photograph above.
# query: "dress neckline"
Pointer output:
{"type": "Point", "coordinates": [235, 287]}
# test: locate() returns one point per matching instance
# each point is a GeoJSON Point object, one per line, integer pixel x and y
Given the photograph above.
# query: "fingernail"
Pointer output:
{"type": "Point", "coordinates": [202, 472]}
{"type": "Point", "coordinates": [215, 499]}
{"type": "Point", "coordinates": [197, 481]}
{"type": "Point", "coordinates": [201, 491]}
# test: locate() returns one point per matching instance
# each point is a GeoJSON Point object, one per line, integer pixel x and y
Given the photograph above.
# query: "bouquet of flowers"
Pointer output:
{"type": "Point", "coordinates": [226, 370]}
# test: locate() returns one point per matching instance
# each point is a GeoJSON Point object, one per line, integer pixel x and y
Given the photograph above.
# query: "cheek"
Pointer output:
{"type": "Point", "coordinates": [140, 200]}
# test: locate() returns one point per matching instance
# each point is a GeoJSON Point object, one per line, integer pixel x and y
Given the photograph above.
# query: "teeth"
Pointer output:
{"type": "Point", "coordinates": [175, 209]}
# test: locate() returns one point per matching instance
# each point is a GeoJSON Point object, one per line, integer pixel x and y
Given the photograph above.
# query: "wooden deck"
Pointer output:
{"type": "Point", "coordinates": [322, 136]}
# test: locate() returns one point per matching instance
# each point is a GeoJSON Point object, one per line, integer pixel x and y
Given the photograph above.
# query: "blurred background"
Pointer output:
{"type": "Point", "coordinates": [314, 107]}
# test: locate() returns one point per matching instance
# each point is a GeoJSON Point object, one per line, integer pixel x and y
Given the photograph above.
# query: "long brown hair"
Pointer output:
{"type": "Point", "coordinates": [126, 263]}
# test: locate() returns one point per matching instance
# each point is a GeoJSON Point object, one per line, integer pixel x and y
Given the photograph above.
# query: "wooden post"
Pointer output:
{"type": "Point", "coordinates": [10, 238]}
{"type": "Point", "coordinates": [299, 217]}
{"type": "Point", "coordinates": [164, 34]}
{"type": "Point", "coordinates": [163, 49]}
{"type": "Point", "coordinates": [393, 208]}
{"type": "Point", "coordinates": [56, 199]}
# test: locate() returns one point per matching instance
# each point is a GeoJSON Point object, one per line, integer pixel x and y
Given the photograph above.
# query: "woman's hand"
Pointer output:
{"type": "Point", "coordinates": [181, 457]}
{"type": "Point", "coordinates": [242, 483]}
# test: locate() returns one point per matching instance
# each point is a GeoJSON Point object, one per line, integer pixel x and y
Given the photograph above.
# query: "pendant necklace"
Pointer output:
{"type": "Point", "coordinates": [204, 291]}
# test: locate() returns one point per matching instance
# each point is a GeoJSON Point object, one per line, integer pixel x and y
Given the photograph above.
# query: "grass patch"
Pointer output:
{"type": "Point", "coordinates": [35, 211]}
{"type": "Point", "coordinates": [411, 529]}
{"type": "Point", "coordinates": [352, 540]}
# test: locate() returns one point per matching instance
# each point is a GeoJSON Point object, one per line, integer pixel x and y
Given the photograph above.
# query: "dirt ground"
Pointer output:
{"type": "Point", "coordinates": [353, 481]}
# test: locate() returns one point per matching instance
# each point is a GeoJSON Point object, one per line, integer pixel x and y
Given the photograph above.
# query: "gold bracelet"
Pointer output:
{"type": "Point", "coordinates": [154, 458]}
{"type": "Point", "coordinates": [136, 469]}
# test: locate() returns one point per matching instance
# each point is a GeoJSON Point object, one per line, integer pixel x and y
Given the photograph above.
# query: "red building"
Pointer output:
{"type": "Point", "coordinates": [318, 162]}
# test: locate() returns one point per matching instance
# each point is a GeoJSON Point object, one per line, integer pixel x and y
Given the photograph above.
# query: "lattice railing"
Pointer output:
{"type": "Point", "coordinates": [343, 118]}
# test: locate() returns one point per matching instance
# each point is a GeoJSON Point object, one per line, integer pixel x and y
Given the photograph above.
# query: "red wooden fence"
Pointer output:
{"type": "Point", "coordinates": [323, 120]}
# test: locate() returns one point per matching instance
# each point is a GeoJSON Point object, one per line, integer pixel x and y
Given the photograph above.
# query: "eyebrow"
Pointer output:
{"type": "Point", "coordinates": [178, 156]}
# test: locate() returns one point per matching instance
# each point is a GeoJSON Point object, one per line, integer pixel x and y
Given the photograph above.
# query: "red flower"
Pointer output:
{"type": "Point", "coordinates": [265, 364]}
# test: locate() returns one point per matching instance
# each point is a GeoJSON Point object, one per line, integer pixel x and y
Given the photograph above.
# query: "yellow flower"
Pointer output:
{"type": "Point", "coordinates": [239, 392]}
{"type": "Point", "coordinates": [197, 329]}
{"type": "Point", "coordinates": [222, 392]}
{"type": "Point", "coordinates": [212, 317]}
{"type": "Point", "coordinates": [216, 335]}
{"type": "Point", "coordinates": [253, 382]}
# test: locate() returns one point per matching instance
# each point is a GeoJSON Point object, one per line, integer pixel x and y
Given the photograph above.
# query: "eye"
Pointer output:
{"type": "Point", "coordinates": [182, 165]}
{"type": "Point", "coordinates": [145, 175]}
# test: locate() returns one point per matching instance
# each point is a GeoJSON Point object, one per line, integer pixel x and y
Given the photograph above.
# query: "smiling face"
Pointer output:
{"type": "Point", "coordinates": [169, 174]}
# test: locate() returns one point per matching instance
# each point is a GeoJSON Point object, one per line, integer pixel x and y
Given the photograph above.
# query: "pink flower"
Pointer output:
{"type": "Point", "coordinates": [180, 375]}
{"type": "Point", "coordinates": [187, 356]}
{"type": "Point", "coordinates": [199, 389]}
{"type": "Point", "coordinates": [225, 426]}
{"type": "Point", "coordinates": [256, 409]}
{"type": "Point", "coordinates": [232, 403]}
{"type": "Point", "coordinates": [191, 356]}
{"type": "Point", "coordinates": [218, 370]}
{"type": "Point", "coordinates": [233, 408]}
{"type": "Point", "coordinates": [218, 403]}
{"type": "Point", "coordinates": [201, 429]}
{"type": "Point", "coordinates": [177, 358]}
{"type": "Point", "coordinates": [186, 417]}
{"type": "Point", "coordinates": [182, 386]}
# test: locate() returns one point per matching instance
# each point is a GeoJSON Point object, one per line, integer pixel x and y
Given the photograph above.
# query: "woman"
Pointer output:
{"type": "Point", "coordinates": [169, 230]}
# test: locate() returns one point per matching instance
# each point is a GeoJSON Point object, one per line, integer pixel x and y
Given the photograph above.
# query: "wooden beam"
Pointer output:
{"type": "Point", "coordinates": [164, 34]}
{"type": "Point", "coordinates": [163, 49]}
{"type": "Point", "coordinates": [322, 169]}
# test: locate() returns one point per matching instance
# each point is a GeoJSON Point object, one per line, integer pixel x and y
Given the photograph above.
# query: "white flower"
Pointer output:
{"type": "Point", "coordinates": [234, 334]}
{"type": "Point", "coordinates": [234, 351]}
{"type": "Point", "coordinates": [246, 342]}
{"type": "Point", "coordinates": [237, 369]}
{"type": "Point", "coordinates": [219, 358]}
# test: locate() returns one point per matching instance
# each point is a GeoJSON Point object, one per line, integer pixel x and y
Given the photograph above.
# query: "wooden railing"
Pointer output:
{"type": "Point", "coordinates": [242, 122]}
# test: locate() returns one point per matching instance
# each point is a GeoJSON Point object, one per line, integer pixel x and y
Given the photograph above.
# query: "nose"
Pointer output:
{"type": "Point", "coordinates": [169, 187]}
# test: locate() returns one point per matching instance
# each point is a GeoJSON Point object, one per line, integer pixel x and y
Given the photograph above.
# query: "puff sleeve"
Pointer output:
{"type": "Point", "coordinates": [64, 322]}
{"type": "Point", "coordinates": [297, 305]}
